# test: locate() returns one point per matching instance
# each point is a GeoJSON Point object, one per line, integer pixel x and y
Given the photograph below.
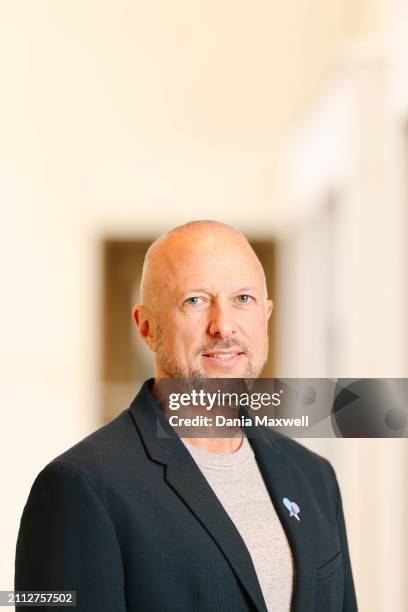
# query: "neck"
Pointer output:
{"type": "Point", "coordinates": [217, 445]}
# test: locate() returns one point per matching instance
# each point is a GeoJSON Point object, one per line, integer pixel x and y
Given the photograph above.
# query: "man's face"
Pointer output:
{"type": "Point", "coordinates": [210, 316]}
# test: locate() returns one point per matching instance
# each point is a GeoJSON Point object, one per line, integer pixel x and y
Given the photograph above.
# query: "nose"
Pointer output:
{"type": "Point", "coordinates": [222, 323]}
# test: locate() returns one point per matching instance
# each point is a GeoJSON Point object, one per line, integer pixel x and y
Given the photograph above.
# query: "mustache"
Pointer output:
{"type": "Point", "coordinates": [223, 345]}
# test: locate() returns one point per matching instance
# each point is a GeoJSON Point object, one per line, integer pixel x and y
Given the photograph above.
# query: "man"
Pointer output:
{"type": "Point", "coordinates": [140, 522]}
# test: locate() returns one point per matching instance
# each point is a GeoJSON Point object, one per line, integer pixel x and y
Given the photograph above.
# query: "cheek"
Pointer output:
{"type": "Point", "coordinates": [186, 339]}
{"type": "Point", "coordinates": [190, 330]}
{"type": "Point", "coordinates": [257, 334]}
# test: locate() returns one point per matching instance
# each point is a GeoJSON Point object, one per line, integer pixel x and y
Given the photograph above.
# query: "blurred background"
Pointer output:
{"type": "Point", "coordinates": [120, 120]}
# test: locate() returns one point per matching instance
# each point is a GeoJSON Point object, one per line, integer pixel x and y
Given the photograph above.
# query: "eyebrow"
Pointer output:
{"type": "Point", "coordinates": [203, 290]}
{"type": "Point", "coordinates": [247, 289]}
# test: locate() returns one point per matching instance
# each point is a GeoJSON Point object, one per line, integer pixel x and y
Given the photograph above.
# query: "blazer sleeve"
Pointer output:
{"type": "Point", "coordinates": [67, 542]}
{"type": "Point", "coordinates": [350, 602]}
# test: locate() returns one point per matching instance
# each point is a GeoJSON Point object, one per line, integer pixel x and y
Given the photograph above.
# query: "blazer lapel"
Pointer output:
{"type": "Point", "coordinates": [283, 481]}
{"type": "Point", "coordinates": [188, 482]}
{"type": "Point", "coordinates": [184, 477]}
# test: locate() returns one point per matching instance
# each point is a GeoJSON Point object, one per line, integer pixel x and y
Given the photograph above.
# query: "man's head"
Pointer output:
{"type": "Point", "coordinates": [204, 310]}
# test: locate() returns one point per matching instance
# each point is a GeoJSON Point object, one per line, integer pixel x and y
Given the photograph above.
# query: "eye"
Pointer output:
{"type": "Point", "coordinates": [193, 301]}
{"type": "Point", "coordinates": [245, 298]}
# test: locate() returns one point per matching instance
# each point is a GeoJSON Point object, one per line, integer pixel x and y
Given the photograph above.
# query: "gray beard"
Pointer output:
{"type": "Point", "coordinates": [174, 370]}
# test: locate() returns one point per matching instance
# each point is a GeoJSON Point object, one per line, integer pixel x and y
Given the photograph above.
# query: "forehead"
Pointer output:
{"type": "Point", "coordinates": [212, 261]}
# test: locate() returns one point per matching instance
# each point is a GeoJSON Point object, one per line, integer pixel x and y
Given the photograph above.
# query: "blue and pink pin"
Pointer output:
{"type": "Point", "coordinates": [292, 507]}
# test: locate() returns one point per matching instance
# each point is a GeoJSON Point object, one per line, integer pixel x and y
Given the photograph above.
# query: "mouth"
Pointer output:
{"type": "Point", "coordinates": [223, 358]}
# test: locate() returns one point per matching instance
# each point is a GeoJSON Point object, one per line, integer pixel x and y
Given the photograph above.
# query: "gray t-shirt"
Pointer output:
{"type": "Point", "coordinates": [237, 482]}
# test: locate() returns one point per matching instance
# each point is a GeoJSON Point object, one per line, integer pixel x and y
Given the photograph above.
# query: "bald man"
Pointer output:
{"type": "Point", "coordinates": [137, 521]}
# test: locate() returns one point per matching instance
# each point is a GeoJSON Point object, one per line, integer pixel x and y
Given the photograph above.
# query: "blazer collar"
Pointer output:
{"type": "Point", "coordinates": [281, 477]}
{"type": "Point", "coordinates": [158, 436]}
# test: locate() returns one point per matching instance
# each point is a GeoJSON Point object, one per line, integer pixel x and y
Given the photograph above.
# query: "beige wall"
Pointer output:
{"type": "Point", "coordinates": [126, 103]}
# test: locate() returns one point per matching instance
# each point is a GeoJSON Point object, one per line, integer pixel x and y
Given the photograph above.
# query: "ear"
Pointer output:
{"type": "Point", "coordinates": [145, 321]}
{"type": "Point", "coordinates": [269, 308]}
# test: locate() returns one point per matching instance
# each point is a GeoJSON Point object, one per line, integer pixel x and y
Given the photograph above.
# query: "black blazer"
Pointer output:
{"type": "Point", "coordinates": [126, 519]}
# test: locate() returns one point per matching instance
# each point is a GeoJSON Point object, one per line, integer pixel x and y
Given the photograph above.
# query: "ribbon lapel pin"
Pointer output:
{"type": "Point", "coordinates": [292, 507]}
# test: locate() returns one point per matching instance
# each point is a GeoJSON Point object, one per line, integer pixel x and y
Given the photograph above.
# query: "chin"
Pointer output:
{"type": "Point", "coordinates": [220, 373]}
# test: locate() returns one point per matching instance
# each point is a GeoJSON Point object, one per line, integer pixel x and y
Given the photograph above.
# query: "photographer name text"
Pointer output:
{"type": "Point", "coordinates": [222, 421]}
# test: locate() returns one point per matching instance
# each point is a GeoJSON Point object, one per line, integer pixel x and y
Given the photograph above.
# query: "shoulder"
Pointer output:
{"type": "Point", "coordinates": [296, 450]}
{"type": "Point", "coordinates": [307, 463]}
{"type": "Point", "coordinates": [103, 455]}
